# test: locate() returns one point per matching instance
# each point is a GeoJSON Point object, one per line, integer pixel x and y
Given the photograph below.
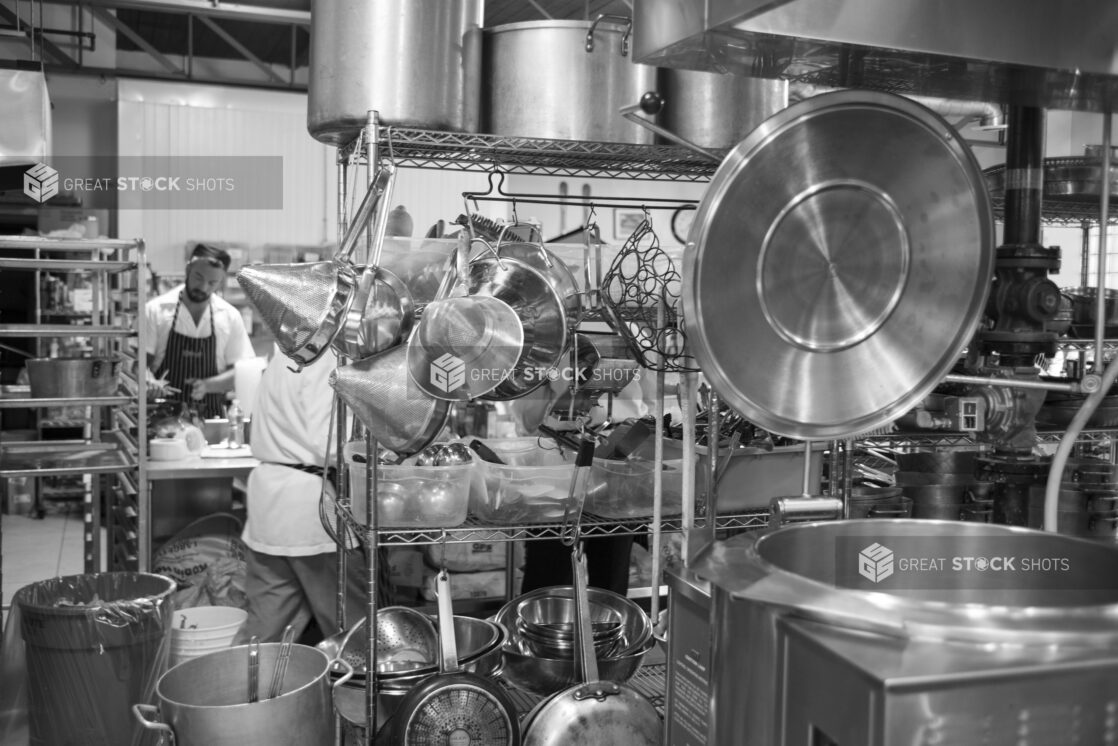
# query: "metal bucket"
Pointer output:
{"type": "Point", "coordinates": [812, 572]}
{"type": "Point", "coordinates": [416, 64]}
{"type": "Point", "coordinates": [539, 80]}
{"type": "Point", "coordinates": [717, 111]}
{"type": "Point", "coordinates": [204, 701]}
{"type": "Point", "coordinates": [67, 377]}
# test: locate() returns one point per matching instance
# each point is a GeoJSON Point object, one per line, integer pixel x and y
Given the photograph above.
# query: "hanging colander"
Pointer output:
{"type": "Point", "coordinates": [305, 305]}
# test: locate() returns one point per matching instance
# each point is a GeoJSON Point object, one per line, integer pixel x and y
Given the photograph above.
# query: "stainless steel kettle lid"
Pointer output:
{"type": "Point", "coordinates": [838, 264]}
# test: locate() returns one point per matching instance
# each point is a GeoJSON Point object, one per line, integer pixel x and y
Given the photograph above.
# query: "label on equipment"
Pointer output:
{"type": "Point", "coordinates": [688, 708]}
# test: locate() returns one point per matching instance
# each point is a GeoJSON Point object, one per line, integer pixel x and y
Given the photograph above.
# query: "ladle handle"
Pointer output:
{"type": "Point", "coordinates": [576, 497]}
{"type": "Point", "coordinates": [381, 185]}
{"type": "Point", "coordinates": [448, 645]}
{"type": "Point", "coordinates": [584, 634]}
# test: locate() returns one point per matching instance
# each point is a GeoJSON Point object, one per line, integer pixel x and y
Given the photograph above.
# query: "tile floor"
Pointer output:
{"type": "Point", "coordinates": [37, 549]}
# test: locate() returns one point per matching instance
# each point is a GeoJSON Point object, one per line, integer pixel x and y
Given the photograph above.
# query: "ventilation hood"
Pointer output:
{"type": "Point", "coordinates": [1027, 52]}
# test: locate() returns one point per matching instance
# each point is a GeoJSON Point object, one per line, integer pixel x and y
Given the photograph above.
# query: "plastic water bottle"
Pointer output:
{"type": "Point", "coordinates": [236, 425]}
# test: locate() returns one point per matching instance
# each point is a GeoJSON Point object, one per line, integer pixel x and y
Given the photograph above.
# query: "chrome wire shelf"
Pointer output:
{"type": "Point", "coordinates": [461, 151]}
{"type": "Point", "coordinates": [933, 439]}
{"type": "Point", "coordinates": [476, 530]}
{"type": "Point", "coordinates": [1062, 212]}
{"type": "Point", "coordinates": [1085, 345]}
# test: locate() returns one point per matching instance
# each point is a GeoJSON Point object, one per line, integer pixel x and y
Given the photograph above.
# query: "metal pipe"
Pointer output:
{"type": "Point", "coordinates": [372, 544]}
{"type": "Point", "coordinates": [1085, 257]}
{"type": "Point", "coordinates": [1024, 175]}
{"type": "Point", "coordinates": [714, 438]}
{"type": "Point", "coordinates": [1014, 383]}
{"type": "Point", "coordinates": [1104, 214]}
{"type": "Point", "coordinates": [847, 475]}
{"type": "Point", "coordinates": [805, 488]}
{"type": "Point", "coordinates": [988, 115]}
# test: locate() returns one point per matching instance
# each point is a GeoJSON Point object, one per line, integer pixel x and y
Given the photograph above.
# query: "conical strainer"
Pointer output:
{"type": "Point", "coordinates": [305, 305]}
{"type": "Point", "coordinates": [400, 416]}
{"type": "Point", "coordinates": [302, 304]}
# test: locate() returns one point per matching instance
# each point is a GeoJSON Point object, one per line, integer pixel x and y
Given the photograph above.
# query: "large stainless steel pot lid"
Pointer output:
{"type": "Point", "coordinates": [838, 264]}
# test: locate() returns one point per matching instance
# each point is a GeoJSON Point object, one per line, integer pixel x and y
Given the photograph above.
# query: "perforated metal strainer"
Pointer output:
{"type": "Point", "coordinates": [406, 640]}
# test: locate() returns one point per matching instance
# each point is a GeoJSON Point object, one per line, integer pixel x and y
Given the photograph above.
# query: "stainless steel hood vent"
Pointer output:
{"type": "Point", "coordinates": [1027, 52]}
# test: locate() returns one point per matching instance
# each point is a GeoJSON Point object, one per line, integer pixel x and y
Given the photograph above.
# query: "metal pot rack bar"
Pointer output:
{"type": "Point", "coordinates": [1086, 345]}
{"type": "Point", "coordinates": [1064, 213]}
{"type": "Point", "coordinates": [477, 530]}
{"type": "Point", "coordinates": [418, 148]}
{"type": "Point", "coordinates": [932, 439]}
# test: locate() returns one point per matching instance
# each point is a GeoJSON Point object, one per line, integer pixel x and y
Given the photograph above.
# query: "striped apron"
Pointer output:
{"type": "Point", "coordinates": [188, 359]}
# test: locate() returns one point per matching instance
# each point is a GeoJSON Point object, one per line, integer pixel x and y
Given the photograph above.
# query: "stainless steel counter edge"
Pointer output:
{"type": "Point", "coordinates": [197, 467]}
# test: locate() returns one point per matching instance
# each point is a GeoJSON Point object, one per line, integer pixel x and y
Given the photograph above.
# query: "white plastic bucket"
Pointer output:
{"type": "Point", "coordinates": [203, 629]}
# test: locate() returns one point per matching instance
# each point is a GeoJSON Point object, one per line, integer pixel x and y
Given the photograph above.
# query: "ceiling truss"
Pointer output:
{"type": "Point", "coordinates": [203, 41]}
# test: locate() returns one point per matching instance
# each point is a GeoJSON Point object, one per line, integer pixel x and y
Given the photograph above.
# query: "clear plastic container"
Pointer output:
{"type": "Point", "coordinates": [411, 496]}
{"type": "Point", "coordinates": [620, 489]}
{"type": "Point", "coordinates": [532, 487]}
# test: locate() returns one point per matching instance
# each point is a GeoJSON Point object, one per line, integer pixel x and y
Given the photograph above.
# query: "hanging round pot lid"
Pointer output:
{"type": "Point", "coordinates": [838, 264]}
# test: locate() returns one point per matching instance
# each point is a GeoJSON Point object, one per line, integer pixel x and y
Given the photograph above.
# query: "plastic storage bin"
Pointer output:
{"type": "Point", "coordinates": [753, 476]}
{"type": "Point", "coordinates": [532, 487]}
{"type": "Point", "coordinates": [411, 496]}
{"type": "Point", "coordinates": [621, 489]}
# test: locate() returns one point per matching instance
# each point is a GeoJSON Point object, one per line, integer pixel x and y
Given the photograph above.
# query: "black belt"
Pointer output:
{"type": "Point", "coordinates": [331, 473]}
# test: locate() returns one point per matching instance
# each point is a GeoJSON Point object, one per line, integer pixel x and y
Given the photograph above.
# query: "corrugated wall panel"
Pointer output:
{"type": "Point", "coordinates": [158, 119]}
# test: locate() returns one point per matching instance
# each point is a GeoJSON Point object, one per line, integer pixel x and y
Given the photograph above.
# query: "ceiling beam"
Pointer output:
{"type": "Point", "coordinates": [123, 28]}
{"type": "Point", "coordinates": [46, 46]}
{"type": "Point", "coordinates": [241, 48]}
{"type": "Point", "coordinates": [211, 8]}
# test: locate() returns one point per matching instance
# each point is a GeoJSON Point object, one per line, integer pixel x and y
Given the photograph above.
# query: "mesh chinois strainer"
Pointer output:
{"type": "Point", "coordinates": [305, 305]}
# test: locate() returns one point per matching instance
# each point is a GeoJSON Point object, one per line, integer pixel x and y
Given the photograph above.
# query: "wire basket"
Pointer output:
{"type": "Point", "coordinates": [641, 294]}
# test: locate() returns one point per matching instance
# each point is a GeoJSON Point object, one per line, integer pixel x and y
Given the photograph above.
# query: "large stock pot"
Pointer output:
{"type": "Point", "coordinates": [205, 701]}
{"type": "Point", "coordinates": [562, 79]}
{"type": "Point", "coordinates": [1007, 610]}
{"type": "Point", "coordinates": [717, 110]}
{"type": "Point", "coordinates": [415, 63]}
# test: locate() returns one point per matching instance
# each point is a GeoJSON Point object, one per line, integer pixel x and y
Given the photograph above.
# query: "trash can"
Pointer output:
{"type": "Point", "coordinates": [94, 645]}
